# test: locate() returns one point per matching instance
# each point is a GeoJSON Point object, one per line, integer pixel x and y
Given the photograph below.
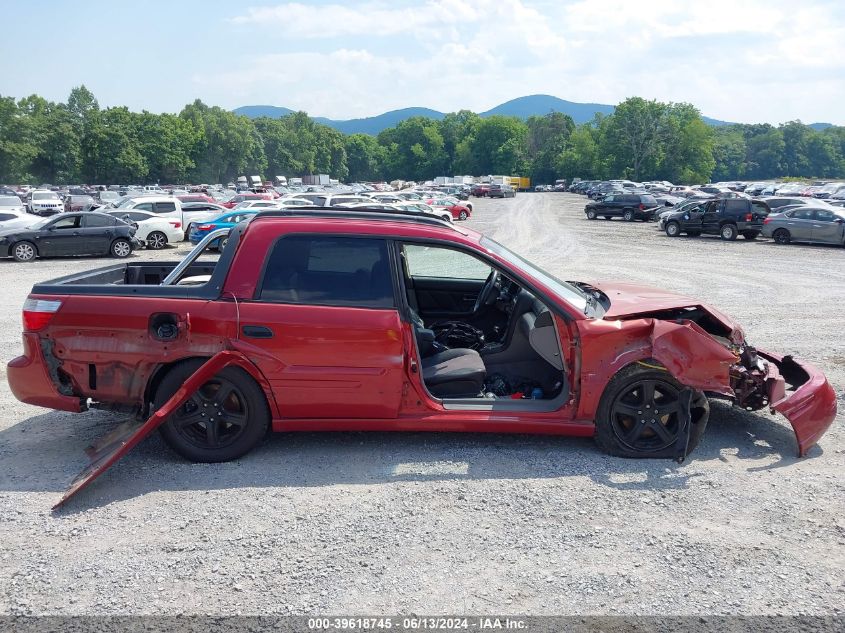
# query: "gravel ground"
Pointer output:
{"type": "Point", "coordinates": [399, 523]}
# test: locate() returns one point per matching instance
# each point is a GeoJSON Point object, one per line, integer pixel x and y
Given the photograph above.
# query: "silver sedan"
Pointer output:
{"type": "Point", "coordinates": [807, 224]}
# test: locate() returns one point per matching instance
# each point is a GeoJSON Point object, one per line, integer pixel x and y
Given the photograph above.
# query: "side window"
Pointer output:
{"type": "Point", "coordinates": [96, 221]}
{"type": "Point", "coordinates": [6, 216]}
{"type": "Point", "coordinates": [824, 216]}
{"type": "Point", "coordinates": [735, 206]}
{"type": "Point", "coordinates": [334, 271]}
{"type": "Point", "coordinates": [802, 214]}
{"type": "Point", "coordinates": [609, 198]}
{"type": "Point", "coordinates": [144, 206]}
{"type": "Point", "coordinates": [165, 207]}
{"type": "Point", "coordinates": [66, 223]}
{"type": "Point", "coordinates": [444, 263]}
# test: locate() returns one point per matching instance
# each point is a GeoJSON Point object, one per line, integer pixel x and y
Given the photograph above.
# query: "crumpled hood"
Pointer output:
{"type": "Point", "coordinates": [631, 299]}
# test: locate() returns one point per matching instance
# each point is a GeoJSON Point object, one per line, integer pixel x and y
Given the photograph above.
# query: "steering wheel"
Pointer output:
{"type": "Point", "coordinates": [486, 295]}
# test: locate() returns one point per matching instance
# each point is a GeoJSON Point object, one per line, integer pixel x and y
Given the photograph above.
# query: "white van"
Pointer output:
{"type": "Point", "coordinates": [163, 206]}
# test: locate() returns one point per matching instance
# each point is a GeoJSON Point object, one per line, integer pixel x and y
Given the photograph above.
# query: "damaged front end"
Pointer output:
{"type": "Point", "coordinates": [752, 379]}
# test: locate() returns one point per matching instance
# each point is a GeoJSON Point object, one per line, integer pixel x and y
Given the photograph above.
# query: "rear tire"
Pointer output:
{"type": "Point", "coordinates": [156, 240]}
{"type": "Point", "coordinates": [728, 232]}
{"type": "Point", "coordinates": [236, 420]}
{"type": "Point", "coordinates": [781, 236]}
{"type": "Point", "coordinates": [121, 248]}
{"type": "Point", "coordinates": [628, 216]}
{"type": "Point", "coordinates": [24, 252]}
{"type": "Point", "coordinates": [637, 391]}
{"type": "Point", "coordinates": [462, 215]}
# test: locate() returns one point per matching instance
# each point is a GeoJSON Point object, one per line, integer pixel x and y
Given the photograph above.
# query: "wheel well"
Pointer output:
{"type": "Point", "coordinates": [158, 375]}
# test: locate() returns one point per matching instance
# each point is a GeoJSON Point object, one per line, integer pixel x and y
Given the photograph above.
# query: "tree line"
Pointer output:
{"type": "Point", "coordinates": [77, 141]}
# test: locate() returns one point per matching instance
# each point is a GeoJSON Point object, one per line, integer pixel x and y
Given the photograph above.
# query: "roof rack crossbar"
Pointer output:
{"type": "Point", "coordinates": [361, 213]}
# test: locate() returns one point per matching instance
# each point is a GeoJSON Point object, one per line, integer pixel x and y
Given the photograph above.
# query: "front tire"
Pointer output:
{"type": "Point", "coordinates": [638, 415]}
{"type": "Point", "coordinates": [156, 240]}
{"type": "Point", "coordinates": [224, 420]}
{"type": "Point", "coordinates": [121, 248]}
{"type": "Point", "coordinates": [673, 229]}
{"type": "Point", "coordinates": [24, 252]}
{"type": "Point", "coordinates": [462, 215]}
{"type": "Point", "coordinates": [591, 215]}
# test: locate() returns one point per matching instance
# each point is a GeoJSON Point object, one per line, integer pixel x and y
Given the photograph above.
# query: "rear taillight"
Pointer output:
{"type": "Point", "coordinates": [767, 220]}
{"type": "Point", "coordinates": [37, 313]}
{"type": "Point", "coordinates": [176, 223]}
{"type": "Point", "coordinates": [642, 207]}
{"type": "Point", "coordinates": [205, 227]}
{"type": "Point", "coordinates": [748, 217]}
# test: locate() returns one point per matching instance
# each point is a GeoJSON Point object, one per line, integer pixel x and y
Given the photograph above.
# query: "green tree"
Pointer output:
{"type": "Point", "coordinates": [548, 138]}
{"type": "Point", "coordinates": [636, 134]}
{"type": "Point", "coordinates": [499, 147]}
{"type": "Point", "coordinates": [687, 153]}
{"type": "Point", "coordinates": [365, 158]}
{"type": "Point", "coordinates": [415, 149]}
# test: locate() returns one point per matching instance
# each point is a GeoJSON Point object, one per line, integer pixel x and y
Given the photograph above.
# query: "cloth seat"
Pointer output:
{"type": "Point", "coordinates": [454, 373]}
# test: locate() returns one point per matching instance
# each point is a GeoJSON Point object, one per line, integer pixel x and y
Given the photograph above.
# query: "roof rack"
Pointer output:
{"type": "Point", "coordinates": [360, 213]}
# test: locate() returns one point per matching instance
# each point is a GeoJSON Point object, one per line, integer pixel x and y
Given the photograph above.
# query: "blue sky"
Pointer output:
{"type": "Point", "coordinates": [737, 60]}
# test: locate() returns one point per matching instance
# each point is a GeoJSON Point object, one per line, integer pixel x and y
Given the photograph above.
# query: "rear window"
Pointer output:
{"type": "Point", "coordinates": [165, 207]}
{"type": "Point", "coordinates": [649, 201]}
{"type": "Point", "coordinates": [7, 216]}
{"type": "Point", "coordinates": [333, 271]}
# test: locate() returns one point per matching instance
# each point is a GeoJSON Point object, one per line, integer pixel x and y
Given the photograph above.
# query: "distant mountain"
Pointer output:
{"type": "Point", "coordinates": [522, 107]}
{"type": "Point", "coordinates": [375, 124]}
{"type": "Point", "coordinates": [256, 111]}
{"type": "Point", "coordinates": [820, 126]}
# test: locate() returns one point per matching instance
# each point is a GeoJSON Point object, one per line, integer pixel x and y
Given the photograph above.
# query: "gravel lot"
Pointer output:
{"type": "Point", "coordinates": [400, 523]}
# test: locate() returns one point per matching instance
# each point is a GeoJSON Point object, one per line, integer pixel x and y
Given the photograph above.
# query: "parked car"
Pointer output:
{"type": "Point", "coordinates": [823, 225]}
{"type": "Point", "coordinates": [89, 233]}
{"type": "Point", "coordinates": [459, 211]}
{"type": "Point", "coordinates": [226, 221]}
{"type": "Point", "coordinates": [163, 206]}
{"type": "Point", "coordinates": [776, 202]}
{"type": "Point", "coordinates": [629, 206]}
{"type": "Point", "coordinates": [78, 203]}
{"type": "Point", "coordinates": [237, 199]}
{"type": "Point", "coordinates": [310, 323]}
{"type": "Point", "coordinates": [196, 197]}
{"type": "Point", "coordinates": [480, 190]}
{"type": "Point", "coordinates": [153, 230]}
{"type": "Point", "coordinates": [725, 217]}
{"type": "Point", "coordinates": [44, 202]}
{"type": "Point", "coordinates": [108, 198]}
{"type": "Point", "coordinates": [501, 191]}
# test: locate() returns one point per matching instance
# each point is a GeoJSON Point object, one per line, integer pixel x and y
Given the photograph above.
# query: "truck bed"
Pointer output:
{"type": "Point", "coordinates": [135, 279]}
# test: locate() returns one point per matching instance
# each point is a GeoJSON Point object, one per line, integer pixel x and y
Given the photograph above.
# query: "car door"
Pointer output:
{"type": "Point", "coordinates": [97, 231]}
{"type": "Point", "coordinates": [827, 227]}
{"type": "Point", "coordinates": [710, 216]}
{"type": "Point", "coordinates": [605, 206]}
{"type": "Point", "coordinates": [61, 237]}
{"type": "Point", "coordinates": [799, 223]}
{"type": "Point", "coordinates": [326, 327]}
{"type": "Point", "coordinates": [443, 283]}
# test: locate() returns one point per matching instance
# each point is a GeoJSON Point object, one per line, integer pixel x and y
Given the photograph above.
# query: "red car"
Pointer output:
{"type": "Point", "coordinates": [339, 320]}
{"type": "Point", "coordinates": [459, 211]}
{"type": "Point", "coordinates": [196, 197]}
{"type": "Point", "coordinates": [235, 200]}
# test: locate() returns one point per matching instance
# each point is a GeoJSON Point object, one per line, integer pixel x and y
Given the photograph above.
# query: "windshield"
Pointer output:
{"type": "Point", "coordinates": [44, 196]}
{"type": "Point", "coordinates": [572, 295]}
{"type": "Point", "coordinates": [125, 203]}
{"type": "Point", "coordinates": [10, 201]}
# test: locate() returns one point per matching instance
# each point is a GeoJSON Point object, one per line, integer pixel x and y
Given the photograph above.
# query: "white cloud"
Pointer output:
{"type": "Point", "coordinates": [732, 59]}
